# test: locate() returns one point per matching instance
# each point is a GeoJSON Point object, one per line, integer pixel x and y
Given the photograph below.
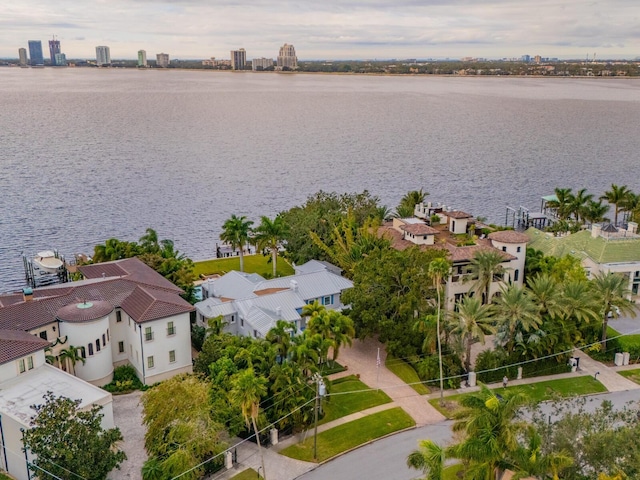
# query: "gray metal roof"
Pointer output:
{"type": "Point", "coordinates": [316, 266]}
{"type": "Point", "coordinates": [310, 285]}
{"type": "Point", "coordinates": [233, 284]}
{"type": "Point", "coordinates": [213, 307]}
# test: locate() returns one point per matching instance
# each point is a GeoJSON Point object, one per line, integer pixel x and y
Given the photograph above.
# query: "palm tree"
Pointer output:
{"type": "Point", "coordinates": [491, 429]}
{"type": "Point", "coordinates": [235, 232]}
{"type": "Point", "coordinates": [409, 201]}
{"type": "Point", "coordinates": [594, 212]}
{"type": "Point", "coordinates": [312, 309]}
{"type": "Point", "coordinates": [149, 241]}
{"type": "Point", "coordinates": [545, 293]}
{"type": "Point", "coordinates": [428, 326]}
{"type": "Point", "coordinates": [472, 321]}
{"type": "Point", "coordinates": [439, 269]}
{"type": "Point", "coordinates": [486, 267]}
{"type": "Point", "coordinates": [515, 312]}
{"type": "Point", "coordinates": [430, 458]}
{"type": "Point", "coordinates": [342, 331]}
{"type": "Point", "coordinates": [578, 302]}
{"type": "Point", "coordinates": [531, 460]}
{"type": "Point", "coordinates": [280, 337]}
{"type": "Point", "coordinates": [563, 203]}
{"type": "Point", "coordinates": [247, 390]}
{"type": "Point", "coordinates": [70, 356]}
{"type": "Point", "coordinates": [611, 291]}
{"type": "Point", "coordinates": [304, 353]}
{"type": "Point", "coordinates": [617, 197]}
{"type": "Point", "coordinates": [632, 205]}
{"type": "Point", "coordinates": [269, 235]}
{"type": "Point", "coordinates": [579, 202]}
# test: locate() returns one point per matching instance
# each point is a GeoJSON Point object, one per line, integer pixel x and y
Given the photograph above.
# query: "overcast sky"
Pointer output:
{"type": "Point", "coordinates": [327, 29]}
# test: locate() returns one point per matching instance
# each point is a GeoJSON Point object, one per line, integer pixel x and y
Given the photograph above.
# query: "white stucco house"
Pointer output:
{"type": "Point", "coordinates": [251, 305]}
{"type": "Point", "coordinates": [25, 378]}
{"type": "Point", "coordinates": [123, 312]}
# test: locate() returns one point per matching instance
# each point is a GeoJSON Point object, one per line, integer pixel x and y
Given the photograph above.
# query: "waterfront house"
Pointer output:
{"type": "Point", "coordinates": [123, 312]}
{"type": "Point", "coordinates": [600, 249]}
{"type": "Point", "coordinates": [250, 305]}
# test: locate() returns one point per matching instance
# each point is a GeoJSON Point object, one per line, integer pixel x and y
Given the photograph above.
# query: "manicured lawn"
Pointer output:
{"type": "Point", "coordinates": [252, 264]}
{"type": "Point", "coordinates": [351, 435]}
{"type": "Point", "coordinates": [338, 406]}
{"type": "Point", "coordinates": [633, 375]}
{"type": "Point", "coordinates": [248, 474]}
{"type": "Point", "coordinates": [406, 373]}
{"type": "Point", "coordinates": [536, 392]}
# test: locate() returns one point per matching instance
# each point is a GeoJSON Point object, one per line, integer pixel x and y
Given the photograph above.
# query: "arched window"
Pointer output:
{"type": "Point", "coordinates": [97, 345]}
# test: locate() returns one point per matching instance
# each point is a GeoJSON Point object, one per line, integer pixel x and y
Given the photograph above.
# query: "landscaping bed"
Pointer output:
{"type": "Point", "coordinates": [252, 264]}
{"type": "Point", "coordinates": [338, 406]}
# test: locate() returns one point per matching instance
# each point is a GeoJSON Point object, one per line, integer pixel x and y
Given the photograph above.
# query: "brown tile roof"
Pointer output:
{"type": "Point", "coordinates": [457, 214]}
{"type": "Point", "coordinates": [146, 304]}
{"type": "Point", "coordinates": [509, 236]}
{"type": "Point", "coordinates": [467, 253]}
{"type": "Point", "coordinates": [84, 311]}
{"type": "Point", "coordinates": [15, 344]}
{"type": "Point", "coordinates": [419, 229]}
{"type": "Point", "coordinates": [130, 268]}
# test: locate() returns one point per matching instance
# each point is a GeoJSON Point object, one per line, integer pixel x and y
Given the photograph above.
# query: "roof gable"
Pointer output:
{"type": "Point", "coordinates": [15, 344]}
{"type": "Point", "coordinates": [144, 305]}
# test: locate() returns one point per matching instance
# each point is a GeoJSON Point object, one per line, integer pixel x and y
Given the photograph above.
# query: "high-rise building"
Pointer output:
{"type": "Point", "coordinates": [61, 60]}
{"type": "Point", "coordinates": [35, 52]}
{"type": "Point", "coordinates": [54, 48]}
{"type": "Point", "coordinates": [103, 56]}
{"type": "Point", "coordinates": [22, 54]}
{"type": "Point", "coordinates": [162, 60]}
{"type": "Point", "coordinates": [142, 58]}
{"type": "Point", "coordinates": [287, 57]}
{"type": "Point", "coordinates": [238, 59]}
{"type": "Point", "coordinates": [261, 63]}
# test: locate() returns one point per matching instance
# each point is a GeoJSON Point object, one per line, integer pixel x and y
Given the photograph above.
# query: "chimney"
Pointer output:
{"type": "Point", "coordinates": [27, 294]}
{"type": "Point", "coordinates": [596, 230]}
{"type": "Point", "coordinates": [293, 285]}
{"type": "Point", "coordinates": [279, 312]}
{"type": "Point", "coordinates": [104, 275]}
{"type": "Point", "coordinates": [632, 228]}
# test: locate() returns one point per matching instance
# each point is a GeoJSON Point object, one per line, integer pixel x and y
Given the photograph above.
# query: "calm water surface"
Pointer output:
{"type": "Point", "coordinates": [90, 154]}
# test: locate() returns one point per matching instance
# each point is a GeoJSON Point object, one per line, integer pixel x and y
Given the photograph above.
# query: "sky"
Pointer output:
{"type": "Point", "coordinates": [327, 29]}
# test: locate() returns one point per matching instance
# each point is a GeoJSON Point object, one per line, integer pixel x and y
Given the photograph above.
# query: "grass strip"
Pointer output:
{"type": "Point", "coordinates": [248, 474]}
{"type": "Point", "coordinates": [406, 373]}
{"type": "Point", "coordinates": [633, 375]}
{"type": "Point", "coordinates": [338, 406]}
{"type": "Point", "coordinates": [350, 435]}
{"type": "Point", "coordinates": [536, 392]}
{"type": "Point", "coordinates": [252, 264]}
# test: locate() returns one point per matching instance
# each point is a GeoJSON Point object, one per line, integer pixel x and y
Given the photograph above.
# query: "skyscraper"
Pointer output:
{"type": "Point", "coordinates": [238, 59]}
{"type": "Point", "coordinates": [35, 52]}
{"type": "Point", "coordinates": [54, 48]}
{"type": "Point", "coordinates": [162, 60]}
{"type": "Point", "coordinates": [103, 56]}
{"type": "Point", "coordinates": [22, 54]}
{"type": "Point", "coordinates": [287, 57]}
{"type": "Point", "coordinates": [142, 58]}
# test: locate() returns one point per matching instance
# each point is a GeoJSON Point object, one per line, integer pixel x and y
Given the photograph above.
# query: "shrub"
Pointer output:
{"type": "Point", "coordinates": [198, 334]}
{"type": "Point", "coordinates": [492, 365]}
{"type": "Point", "coordinates": [429, 370]}
{"type": "Point", "coordinates": [124, 380]}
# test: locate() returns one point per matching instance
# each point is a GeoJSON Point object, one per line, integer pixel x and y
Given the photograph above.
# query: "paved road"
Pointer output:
{"type": "Point", "coordinates": [386, 459]}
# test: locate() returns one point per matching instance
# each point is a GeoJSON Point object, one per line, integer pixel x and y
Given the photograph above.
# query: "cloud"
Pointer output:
{"type": "Point", "coordinates": [327, 29]}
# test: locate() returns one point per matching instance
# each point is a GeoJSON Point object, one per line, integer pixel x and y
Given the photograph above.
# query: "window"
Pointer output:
{"type": "Point", "coordinates": [150, 362]}
{"type": "Point", "coordinates": [91, 349]}
{"type": "Point", "coordinates": [172, 356]}
{"type": "Point", "coordinates": [107, 334]}
{"type": "Point", "coordinates": [242, 322]}
{"type": "Point", "coordinates": [171, 330]}
{"type": "Point", "coordinates": [30, 362]}
{"type": "Point", "coordinates": [148, 334]}
{"type": "Point", "coordinates": [233, 319]}
{"type": "Point", "coordinates": [255, 333]}
{"type": "Point", "coordinates": [97, 345]}
{"type": "Point", "coordinates": [118, 316]}
{"type": "Point", "coordinates": [43, 335]}
{"type": "Point", "coordinates": [515, 275]}
{"type": "Point", "coordinates": [104, 340]}
{"type": "Point", "coordinates": [328, 300]}
{"type": "Point", "coordinates": [120, 347]}
{"type": "Point", "coordinates": [83, 352]}
{"type": "Point", "coordinates": [519, 249]}
{"type": "Point", "coordinates": [504, 249]}
{"type": "Point", "coordinates": [21, 366]}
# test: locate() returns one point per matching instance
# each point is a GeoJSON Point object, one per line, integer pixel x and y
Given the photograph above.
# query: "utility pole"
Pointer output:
{"type": "Point", "coordinates": [320, 392]}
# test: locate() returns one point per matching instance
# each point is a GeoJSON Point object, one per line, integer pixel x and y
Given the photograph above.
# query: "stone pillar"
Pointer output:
{"type": "Point", "coordinates": [274, 436]}
{"type": "Point", "coordinates": [625, 358]}
{"type": "Point", "coordinates": [618, 360]}
{"type": "Point", "coordinates": [472, 379]}
{"type": "Point", "coordinates": [228, 460]}
{"type": "Point", "coordinates": [519, 377]}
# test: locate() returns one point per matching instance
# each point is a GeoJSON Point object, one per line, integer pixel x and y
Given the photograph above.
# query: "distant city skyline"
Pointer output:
{"type": "Point", "coordinates": [333, 29]}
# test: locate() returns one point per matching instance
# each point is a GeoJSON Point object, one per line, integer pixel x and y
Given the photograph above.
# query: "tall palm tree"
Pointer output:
{"type": "Point", "coordinates": [428, 326]}
{"type": "Point", "coordinates": [71, 356]}
{"type": "Point", "coordinates": [486, 267]}
{"type": "Point", "coordinates": [632, 205]}
{"type": "Point", "coordinates": [270, 234]}
{"type": "Point", "coordinates": [546, 294]}
{"type": "Point", "coordinates": [594, 212]}
{"type": "Point", "coordinates": [342, 331]}
{"type": "Point", "coordinates": [611, 291]}
{"type": "Point", "coordinates": [280, 337]}
{"type": "Point", "coordinates": [439, 270]}
{"type": "Point", "coordinates": [312, 309]}
{"type": "Point", "coordinates": [578, 203]}
{"type": "Point", "coordinates": [409, 201]}
{"type": "Point", "coordinates": [563, 203]}
{"type": "Point", "coordinates": [247, 390]}
{"type": "Point", "coordinates": [471, 321]}
{"type": "Point", "coordinates": [617, 197]}
{"type": "Point", "coordinates": [515, 312]}
{"type": "Point", "coordinates": [531, 460]}
{"type": "Point", "coordinates": [149, 241]}
{"type": "Point", "coordinates": [235, 232]}
{"type": "Point", "coordinates": [578, 302]}
{"type": "Point", "coordinates": [491, 428]}
{"type": "Point", "coordinates": [430, 458]}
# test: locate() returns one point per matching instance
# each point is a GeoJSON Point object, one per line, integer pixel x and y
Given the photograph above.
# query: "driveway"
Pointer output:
{"type": "Point", "coordinates": [127, 414]}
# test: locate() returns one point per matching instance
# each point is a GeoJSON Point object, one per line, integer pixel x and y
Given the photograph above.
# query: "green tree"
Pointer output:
{"type": "Point", "coordinates": [471, 322]}
{"type": "Point", "coordinates": [270, 235]}
{"type": "Point", "coordinates": [181, 431]}
{"type": "Point", "coordinates": [247, 391]}
{"type": "Point", "coordinates": [70, 357]}
{"type": "Point", "coordinates": [579, 202]}
{"type": "Point", "coordinates": [545, 293]}
{"type": "Point", "coordinates": [595, 212]}
{"type": "Point", "coordinates": [439, 270]}
{"type": "Point", "coordinates": [515, 315]}
{"type": "Point", "coordinates": [486, 267]}
{"type": "Point", "coordinates": [611, 292]}
{"type": "Point", "coordinates": [430, 458]}
{"type": "Point", "coordinates": [617, 196]}
{"type": "Point", "coordinates": [564, 203]}
{"type": "Point", "coordinates": [87, 449]}
{"type": "Point", "coordinates": [235, 232]}
{"type": "Point", "coordinates": [408, 202]}
{"type": "Point", "coordinates": [280, 337]}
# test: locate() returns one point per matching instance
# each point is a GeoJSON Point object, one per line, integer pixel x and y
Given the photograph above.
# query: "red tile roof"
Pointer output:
{"type": "Point", "coordinates": [457, 214]}
{"type": "Point", "coordinates": [146, 304]}
{"type": "Point", "coordinates": [419, 229]}
{"type": "Point", "coordinates": [508, 236]}
{"type": "Point", "coordinates": [15, 344]}
{"type": "Point", "coordinates": [130, 268]}
{"type": "Point", "coordinates": [84, 311]}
